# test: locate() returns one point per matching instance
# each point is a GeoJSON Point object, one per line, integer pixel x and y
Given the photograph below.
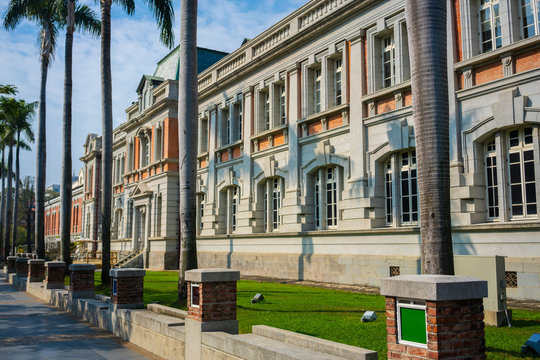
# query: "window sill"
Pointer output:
{"type": "Point", "coordinates": [498, 53]}
{"type": "Point", "coordinates": [332, 111]}
{"type": "Point", "coordinates": [269, 132]}
{"type": "Point", "coordinates": [227, 147]}
{"type": "Point", "coordinates": [384, 92]}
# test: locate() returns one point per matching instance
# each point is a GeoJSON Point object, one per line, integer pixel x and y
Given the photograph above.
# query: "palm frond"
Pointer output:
{"type": "Point", "coordinates": [87, 20]}
{"type": "Point", "coordinates": [164, 14]}
{"type": "Point", "coordinates": [8, 89]}
{"type": "Point", "coordinates": [127, 5]}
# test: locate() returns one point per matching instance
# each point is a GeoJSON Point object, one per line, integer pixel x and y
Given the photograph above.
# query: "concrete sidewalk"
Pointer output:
{"type": "Point", "coordinates": [30, 329]}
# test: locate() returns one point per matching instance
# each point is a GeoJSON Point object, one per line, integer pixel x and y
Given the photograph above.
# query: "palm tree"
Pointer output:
{"type": "Point", "coordinates": [187, 140]}
{"type": "Point", "coordinates": [21, 125]}
{"type": "Point", "coordinates": [426, 26]}
{"type": "Point", "coordinates": [3, 173]}
{"type": "Point", "coordinates": [45, 13]}
{"type": "Point", "coordinates": [86, 20]}
{"type": "Point", "coordinates": [164, 14]}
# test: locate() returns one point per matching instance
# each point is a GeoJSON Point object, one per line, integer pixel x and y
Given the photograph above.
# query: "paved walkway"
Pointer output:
{"type": "Point", "coordinates": [30, 329]}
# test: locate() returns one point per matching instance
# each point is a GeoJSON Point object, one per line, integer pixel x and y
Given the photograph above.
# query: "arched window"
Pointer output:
{"type": "Point", "coordinates": [515, 167]}
{"type": "Point", "coordinates": [401, 189]}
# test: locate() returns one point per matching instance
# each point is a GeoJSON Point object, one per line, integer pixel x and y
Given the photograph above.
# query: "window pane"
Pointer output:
{"type": "Point", "coordinates": [527, 136]}
{"type": "Point", "coordinates": [529, 171]}
{"type": "Point", "coordinates": [516, 194]}
{"type": "Point", "coordinates": [531, 209]}
{"type": "Point", "coordinates": [517, 211]}
{"type": "Point", "coordinates": [514, 138]}
{"type": "Point", "coordinates": [530, 190]}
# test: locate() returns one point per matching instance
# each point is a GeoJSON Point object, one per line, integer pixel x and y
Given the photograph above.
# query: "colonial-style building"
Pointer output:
{"type": "Point", "coordinates": [307, 164]}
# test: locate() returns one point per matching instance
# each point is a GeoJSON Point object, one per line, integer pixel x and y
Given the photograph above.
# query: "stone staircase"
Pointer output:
{"type": "Point", "coordinates": [133, 259]}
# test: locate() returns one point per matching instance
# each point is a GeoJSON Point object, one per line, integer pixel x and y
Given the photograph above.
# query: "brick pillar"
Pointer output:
{"type": "Point", "coordinates": [82, 281]}
{"type": "Point", "coordinates": [434, 317]}
{"type": "Point", "coordinates": [11, 264]}
{"type": "Point", "coordinates": [211, 306]}
{"type": "Point", "coordinates": [127, 288]}
{"type": "Point", "coordinates": [36, 270]}
{"type": "Point", "coordinates": [21, 267]}
{"type": "Point", "coordinates": [55, 272]}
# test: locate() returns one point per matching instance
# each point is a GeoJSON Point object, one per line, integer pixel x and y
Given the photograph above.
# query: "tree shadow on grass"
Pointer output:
{"type": "Point", "coordinates": [355, 311]}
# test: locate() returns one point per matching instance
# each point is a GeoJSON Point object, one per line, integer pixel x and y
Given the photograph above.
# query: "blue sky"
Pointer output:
{"type": "Point", "coordinates": [222, 25]}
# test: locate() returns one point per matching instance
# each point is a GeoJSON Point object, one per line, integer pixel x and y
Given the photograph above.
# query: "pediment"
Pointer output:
{"type": "Point", "coordinates": [141, 190]}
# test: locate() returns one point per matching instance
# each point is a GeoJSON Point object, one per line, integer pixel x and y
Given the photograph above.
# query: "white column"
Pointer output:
{"type": "Point", "coordinates": [357, 129]}
{"type": "Point", "coordinates": [134, 245]}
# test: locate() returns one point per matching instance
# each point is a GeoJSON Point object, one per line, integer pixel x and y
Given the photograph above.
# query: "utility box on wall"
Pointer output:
{"type": "Point", "coordinates": [492, 270]}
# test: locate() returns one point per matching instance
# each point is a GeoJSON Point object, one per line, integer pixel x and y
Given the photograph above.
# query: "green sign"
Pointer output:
{"type": "Point", "coordinates": [413, 325]}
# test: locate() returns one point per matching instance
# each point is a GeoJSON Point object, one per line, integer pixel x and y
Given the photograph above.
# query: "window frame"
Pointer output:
{"type": "Point", "coordinates": [495, 41]}
{"type": "Point", "coordinates": [535, 4]}
{"type": "Point", "coordinates": [323, 219]}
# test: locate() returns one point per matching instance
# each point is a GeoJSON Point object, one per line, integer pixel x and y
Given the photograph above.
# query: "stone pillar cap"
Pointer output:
{"type": "Point", "coordinates": [127, 273]}
{"type": "Point", "coordinates": [212, 275]}
{"type": "Point", "coordinates": [11, 257]}
{"type": "Point", "coordinates": [434, 287]}
{"type": "Point", "coordinates": [36, 261]}
{"type": "Point", "coordinates": [51, 264]}
{"type": "Point", "coordinates": [21, 259]}
{"type": "Point", "coordinates": [82, 267]}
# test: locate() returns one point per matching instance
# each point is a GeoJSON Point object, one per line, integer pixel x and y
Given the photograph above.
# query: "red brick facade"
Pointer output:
{"type": "Point", "coordinates": [217, 302]}
{"type": "Point", "coordinates": [455, 330]}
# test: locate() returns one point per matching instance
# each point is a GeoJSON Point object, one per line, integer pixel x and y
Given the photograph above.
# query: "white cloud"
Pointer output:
{"type": "Point", "coordinates": [135, 50]}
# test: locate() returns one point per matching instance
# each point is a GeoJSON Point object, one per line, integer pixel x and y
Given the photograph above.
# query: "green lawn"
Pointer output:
{"type": "Point", "coordinates": [328, 314]}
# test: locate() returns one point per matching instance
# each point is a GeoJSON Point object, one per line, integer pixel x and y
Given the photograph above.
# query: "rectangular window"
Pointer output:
{"type": "Point", "coordinates": [490, 25]}
{"type": "Point", "coordinates": [238, 120]}
{"type": "Point", "coordinates": [530, 17]}
{"type": "Point", "coordinates": [337, 81]}
{"type": "Point", "coordinates": [409, 190]}
{"type": "Point", "coordinates": [388, 61]}
{"type": "Point", "coordinates": [521, 173]}
{"type": "Point", "coordinates": [266, 110]}
{"type": "Point", "coordinates": [388, 193]}
{"type": "Point", "coordinates": [201, 211]}
{"type": "Point", "coordinates": [234, 208]}
{"type": "Point", "coordinates": [276, 202]}
{"type": "Point", "coordinates": [331, 197]}
{"type": "Point", "coordinates": [266, 207]}
{"type": "Point", "coordinates": [317, 202]}
{"type": "Point", "coordinates": [282, 105]}
{"type": "Point", "coordinates": [158, 215]}
{"type": "Point", "coordinates": [228, 126]}
{"type": "Point", "coordinates": [492, 186]}
{"type": "Point", "coordinates": [317, 81]}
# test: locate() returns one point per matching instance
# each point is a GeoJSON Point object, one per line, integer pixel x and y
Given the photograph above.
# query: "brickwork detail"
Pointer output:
{"type": "Point", "coordinates": [129, 290]}
{"type": "Point", "coordinates": [11, 264]}
{"type": "Point", "coordinates": [455, 330]}
{"type": "Point", "coordinates": [36, 271]}
{"type": "Point", "coordinates": [217, 302]}
{"type": "Point", "coordinates": [55, 274]}
{"type": "Point", "coordinates": [21, 266]}
{"type": "Point", "coordinates": [82, 280]}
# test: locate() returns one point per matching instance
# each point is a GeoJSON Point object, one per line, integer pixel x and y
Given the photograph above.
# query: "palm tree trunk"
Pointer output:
{"type": "Point", "coordinates": [16, 197]}
{"type": "Point", "coordinates": [65, 191]}
{"type": "Point", "coordinates": [426, 26]}
{"type": "Point", "coordinates": [41, 162]}
{"type": "Point", "coordinates": [187, 140]}
{"type": "Point", "coordinates": [106, 175]}
{"type": "Point", "coordinates": [29, 223]}
{"type": "Point", "coordinates": [7, 229]}
{"type": "Point", "coordinates": [3, 207]}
